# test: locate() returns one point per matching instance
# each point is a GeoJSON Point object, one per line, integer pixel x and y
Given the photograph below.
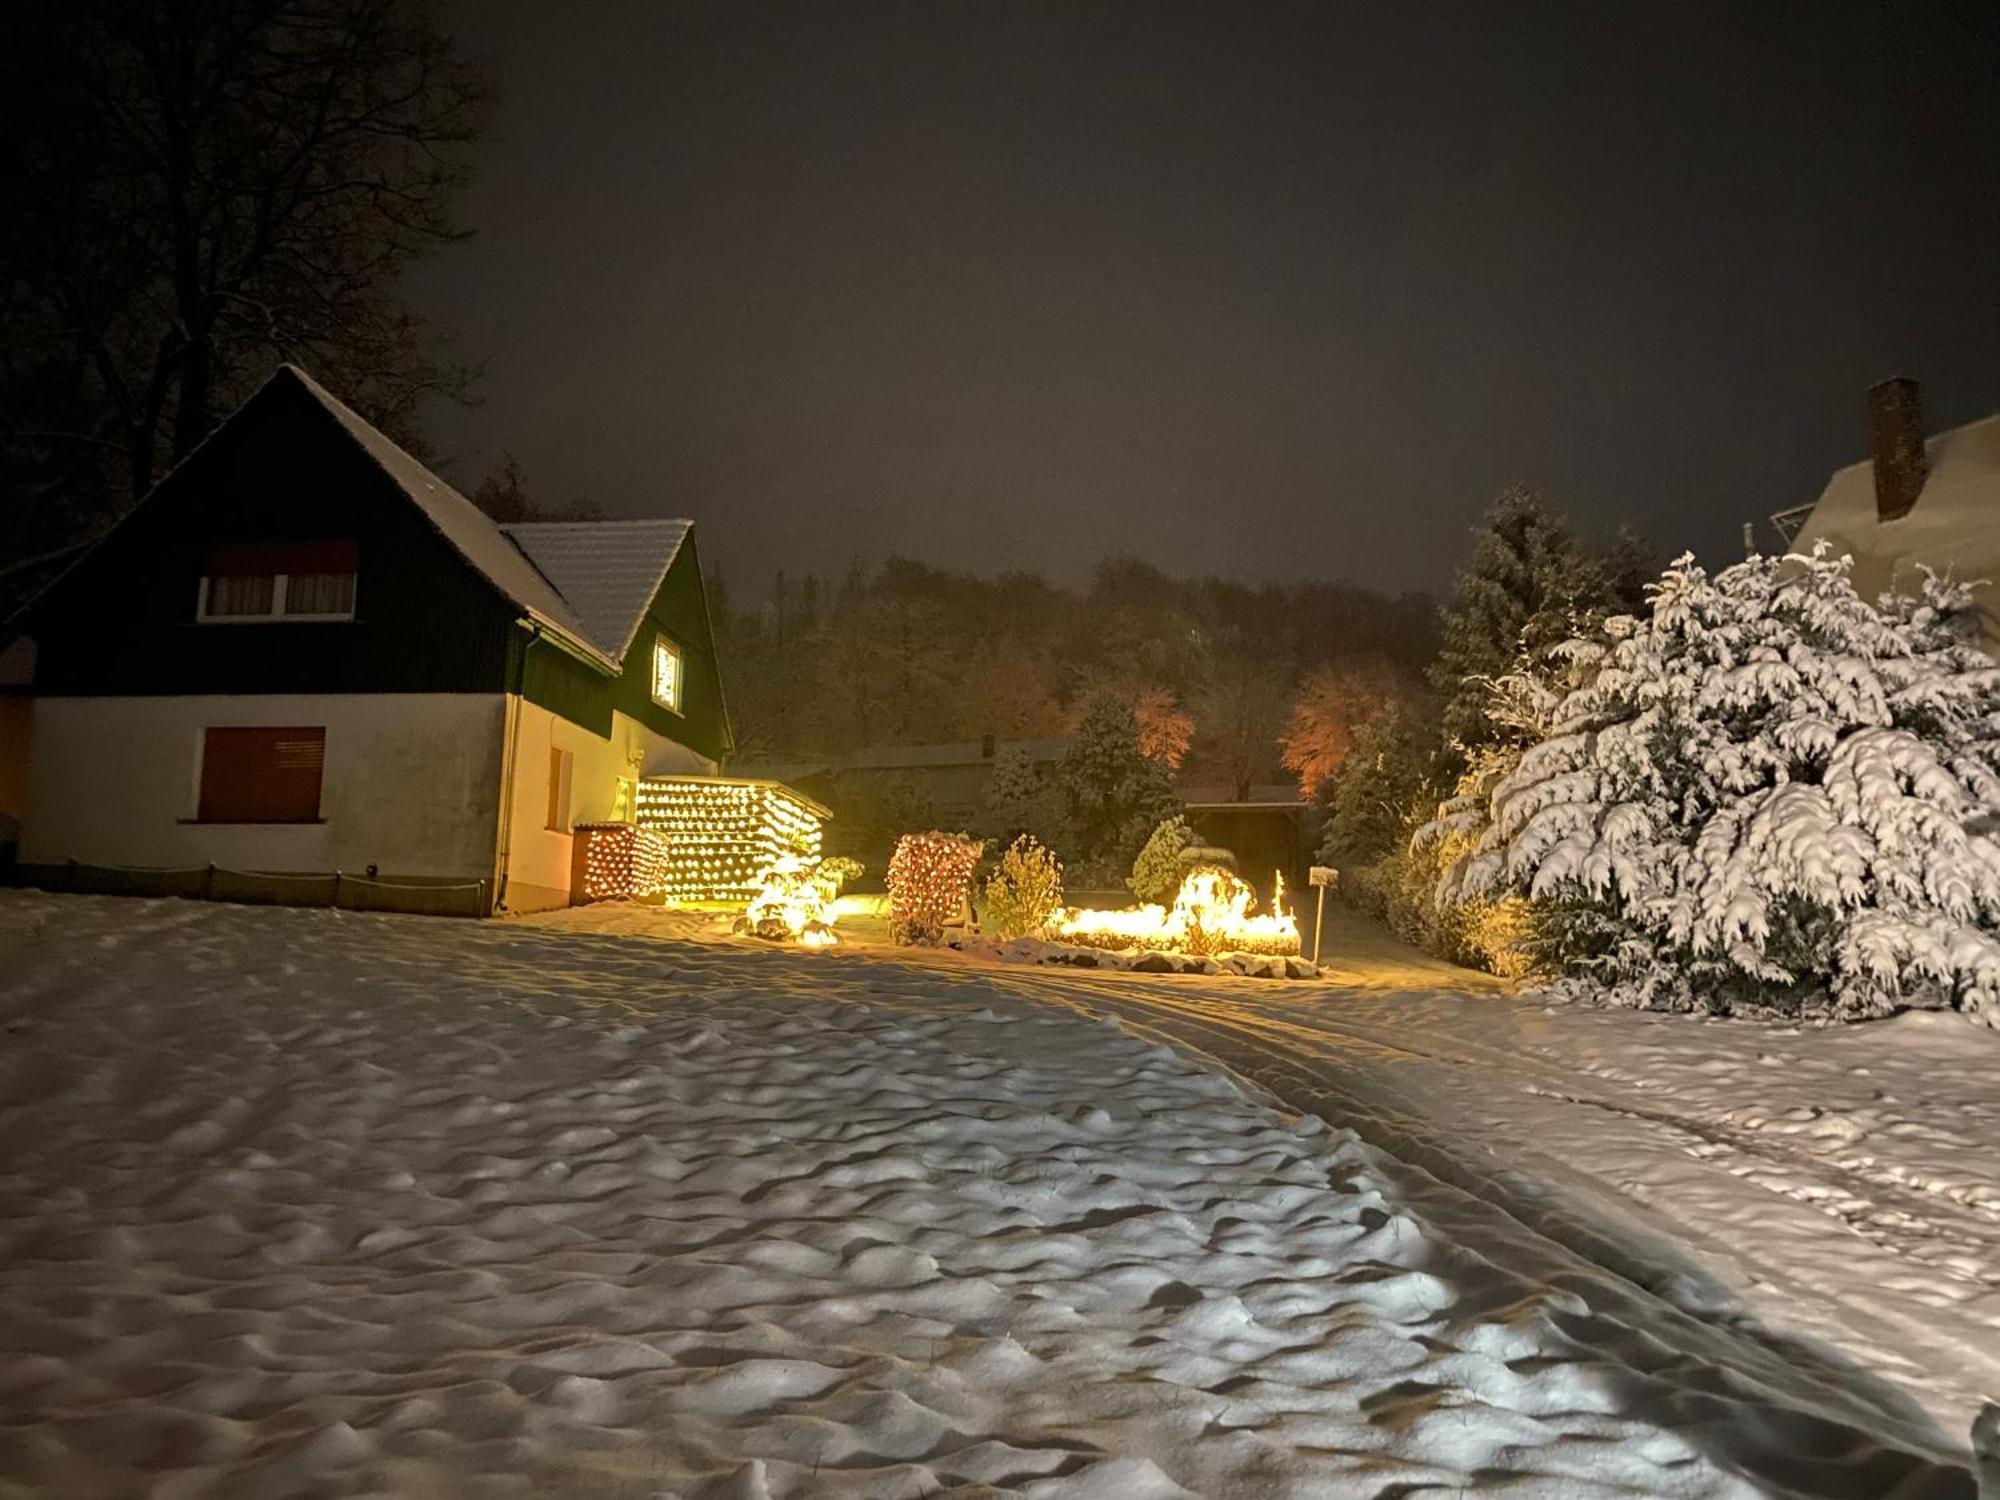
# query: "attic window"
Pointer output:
{"type": "Point", "coordinates": [245, 582]}
{"type": "Point", "coordinates": [668, 673]}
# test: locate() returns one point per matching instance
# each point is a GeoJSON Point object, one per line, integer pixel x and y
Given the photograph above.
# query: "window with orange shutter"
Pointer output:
{"type": "Point", "coordinates": [259, 774]}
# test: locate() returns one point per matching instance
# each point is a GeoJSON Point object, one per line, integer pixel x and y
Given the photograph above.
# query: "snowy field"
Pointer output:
{"type": "Point", "coordinates": [1842, 1182]}
{"type": "Point", "coordinates": [300, 1203]}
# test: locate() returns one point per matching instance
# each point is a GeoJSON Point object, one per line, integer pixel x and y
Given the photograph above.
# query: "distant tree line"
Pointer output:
{"type": "Point", "coordinates": [910, 654]}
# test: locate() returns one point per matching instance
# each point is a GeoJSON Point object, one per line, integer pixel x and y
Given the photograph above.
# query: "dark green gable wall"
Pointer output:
{"type": "Point", "coordinates": [123, 620]}
{"type": "Point", "coordinates": [557, 681]}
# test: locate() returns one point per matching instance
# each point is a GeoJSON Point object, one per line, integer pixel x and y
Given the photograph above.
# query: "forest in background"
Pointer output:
{"type": "Point", "coordinates": [1374, 707]}
{"type": "Point", "coordinates": [903, 653]}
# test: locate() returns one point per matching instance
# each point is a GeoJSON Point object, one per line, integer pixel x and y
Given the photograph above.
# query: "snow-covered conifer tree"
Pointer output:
{"type": "Point", "coordinates": [1530, 584]}
{"type": "Point", "coordinates": [1764, 794]}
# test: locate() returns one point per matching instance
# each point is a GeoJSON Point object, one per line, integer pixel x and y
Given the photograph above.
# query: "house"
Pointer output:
{"type": "Point", "coordinates": [1920, 501]}
{"type": "Point", "coordinates": [950, 780]}
{"type": "Point", "coordinates": [1270, 828]}
{"type": "Point", "coordinates": [304, 653]}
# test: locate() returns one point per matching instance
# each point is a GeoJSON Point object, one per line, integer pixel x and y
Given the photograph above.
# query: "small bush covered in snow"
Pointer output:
{"type": "Point", "coordinates": [1025, 891]}
{"type": "Point", "coordinates": [1765, 794]}
{"type": "Point", "coordinates": [1158, 871]}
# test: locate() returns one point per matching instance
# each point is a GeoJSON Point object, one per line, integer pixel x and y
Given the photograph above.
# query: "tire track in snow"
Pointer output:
{"type": "Point", "coordinates": [1851, 1193]}
{"type": "Point", "coordinates": [1304, 1065]}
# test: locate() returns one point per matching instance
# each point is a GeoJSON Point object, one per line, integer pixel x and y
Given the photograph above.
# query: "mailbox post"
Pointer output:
{"type": "Point", "coordinates": [1322, 877]}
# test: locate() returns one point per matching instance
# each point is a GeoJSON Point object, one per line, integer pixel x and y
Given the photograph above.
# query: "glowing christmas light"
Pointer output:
{"type": "Point", "coordinates": [1211, 914]}
{"type": "Point", "coordinates": [725, 836]}
{"type": "Point", "coordinates": [930, 879]}
{"type": "Point", "coordinates": [621, 861]}
{"type": "Point", "coordinates": [799, 901]}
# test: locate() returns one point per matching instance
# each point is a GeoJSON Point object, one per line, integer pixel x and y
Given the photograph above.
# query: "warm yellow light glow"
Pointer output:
{"type": "Point", "coordinates": [620, 860]}
{"type": "Point", "coordinates": [930, 879]}
{"type": "Point", "coordinates": [723, 837]}
{"type": "Point", "coordinates": [666, 674]}
{"type": "Point", "coordinates": [1211, 914]}
{"type": "Point", "coordinates": [795, 905]}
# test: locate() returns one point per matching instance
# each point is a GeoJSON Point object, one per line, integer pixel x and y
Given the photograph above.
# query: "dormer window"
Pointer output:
{"type": "Point", "coordinates": [667, 674]}
{"type": "Point", "coordinates": [246, 582]}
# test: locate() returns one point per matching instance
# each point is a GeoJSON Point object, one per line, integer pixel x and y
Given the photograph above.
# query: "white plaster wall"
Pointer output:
{"type": "Point", "coordinates": [538, 857]}
{"type": "Point", "coordinates": [411, 783]}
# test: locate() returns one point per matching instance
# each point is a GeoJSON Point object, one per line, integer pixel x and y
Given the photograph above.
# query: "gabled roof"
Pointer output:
{"type": "Point", "coordinates": [613, 567]}
{"type": "Point", "coordinates": [607, 571]}
{"type": "Point", "coordinates": [470, 531]}
{"type": "Point", "coordinates": [1954, 527]}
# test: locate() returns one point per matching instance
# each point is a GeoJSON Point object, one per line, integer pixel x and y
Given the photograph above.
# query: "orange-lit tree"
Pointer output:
{"type": "Point", "coordinates": [1010, 697]}
{"type": "Point", "coordinates": [1165, 728]}
{"type": "Point", "coordinates": [1332, 703]}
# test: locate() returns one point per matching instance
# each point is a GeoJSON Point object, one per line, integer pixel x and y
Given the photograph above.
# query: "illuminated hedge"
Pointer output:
{"type": "Point", "coordinates": [724, 836]}
{"type": "Point", "coordinates": [620, 860]}
{"type": "Point", "coordinates": [930, 878]}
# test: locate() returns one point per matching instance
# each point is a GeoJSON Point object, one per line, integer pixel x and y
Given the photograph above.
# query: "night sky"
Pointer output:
{"type": "Point", "coordinates": [1262, 290]}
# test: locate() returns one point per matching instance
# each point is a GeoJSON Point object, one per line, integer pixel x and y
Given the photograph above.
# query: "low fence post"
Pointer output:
{"type": "Point", "coordinates": [208, 882]}
{"type": "Point", "coordinates": [335, 903]}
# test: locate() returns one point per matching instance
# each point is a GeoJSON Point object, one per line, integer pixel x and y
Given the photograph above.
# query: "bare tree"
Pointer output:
{"type": "Point", "coordinates": [1239, 713]}
{"type": "Point", "coordinates": [195, 189]}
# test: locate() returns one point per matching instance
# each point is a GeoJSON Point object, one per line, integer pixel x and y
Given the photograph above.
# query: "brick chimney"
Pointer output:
{"type": "Point", "coordinates": [1896, 413]}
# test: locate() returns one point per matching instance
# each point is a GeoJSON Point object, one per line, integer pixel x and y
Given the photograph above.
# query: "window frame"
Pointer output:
{"type": "Point", "coordinates": [674, 705]}
{"type": "Point", "coordinates": [278, 614]}
{"type": "Point", "coordinates": [283, 563]}
{"type": "Point", "coordinates": [202, 765]}
{"type": "Point", "coordinates": [562, 788]}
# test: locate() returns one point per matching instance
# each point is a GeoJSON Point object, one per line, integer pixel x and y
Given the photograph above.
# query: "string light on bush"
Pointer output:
{"type": "Point", "coordinates": [930, 875]}
{"type": "Point", "coordinates": [621, 861]}
{"type": "Point", "coordinates": [799, 901]}
{"type": "Point", "coordinates": [724, 836]}
{"type": "Point", "coordinates": [1211, 914]}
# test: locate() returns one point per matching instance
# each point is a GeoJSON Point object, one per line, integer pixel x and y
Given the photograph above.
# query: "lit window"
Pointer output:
{"type": "Point", "coordinates": [667, 673]}
{"type": "Point", "coordinates": [250, 581]}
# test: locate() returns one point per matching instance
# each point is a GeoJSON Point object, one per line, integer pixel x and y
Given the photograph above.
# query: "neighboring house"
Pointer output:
{"type": "Point", "coordinates": [1919, 502]}
{"type": "Point", "coordinates": [305, 653]}
{"type": "Point", "coordinates": [952, 778]}
{"type": "Point", "coordinates": [1266, 831]}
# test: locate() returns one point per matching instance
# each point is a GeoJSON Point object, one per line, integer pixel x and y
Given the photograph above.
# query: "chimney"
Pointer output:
{"type": "Point", "coordinates": [1896, 413]}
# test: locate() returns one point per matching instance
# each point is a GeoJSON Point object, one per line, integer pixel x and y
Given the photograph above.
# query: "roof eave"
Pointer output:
{"type": "Point", "coordinates": [582, 650]}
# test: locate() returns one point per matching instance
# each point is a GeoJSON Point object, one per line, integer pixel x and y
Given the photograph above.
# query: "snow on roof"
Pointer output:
{"type": "Point", "coordinates": [1953, 528]}
{"type": "Point", "coordinates": [468, 528]}
{"type": "Point", "coordinates": [608, 571]}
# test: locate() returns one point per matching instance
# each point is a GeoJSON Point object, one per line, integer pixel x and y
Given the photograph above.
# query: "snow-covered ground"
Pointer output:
{"type": "Point", "coordinates": [1839, 1182]}
{"type": "Point", "coordinates": [306, 1203]}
